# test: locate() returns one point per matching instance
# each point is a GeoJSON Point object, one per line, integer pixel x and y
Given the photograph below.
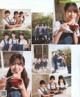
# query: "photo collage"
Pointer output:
{"type": "Point", "coordinates": [39, 50]}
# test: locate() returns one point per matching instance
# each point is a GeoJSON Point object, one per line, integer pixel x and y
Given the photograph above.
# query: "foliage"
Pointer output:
{"type": "Point", "coordinates": [26, 33]}
{"type": "Point", "coordinates": [40, 18]}
{"type": "Point", "coordinates": [67, 52]}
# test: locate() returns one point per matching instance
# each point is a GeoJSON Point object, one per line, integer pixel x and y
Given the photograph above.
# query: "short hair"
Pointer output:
{"type": "Point", "coordinates": [42, 82]}
{"type": "Point", "coordinates": [52, 77]}
{"type": "Point", "coordinates": [13, 32]}
{"type": "Point", "coordinates": [21, 12]}
{"type": "Point", "coordinates": [16, 12]}
{"type": "Point", "coordinates": [6, 34]}
{"type": "Point", "coordinates": [67, 5]}
{"type": "Point", "coordinates": [7, 11]}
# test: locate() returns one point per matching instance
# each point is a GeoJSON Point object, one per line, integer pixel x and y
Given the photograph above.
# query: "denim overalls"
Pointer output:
{"type": "Point", "coordinates": [14, 93]}
{"type": "Point", "coordinates": [9, 22]}
{"type": "Point", "coordinates": [20, 47]}
{"type": "Point", "coordinates": [6, 46]}
{"type": "Point", "coordinates": [44, 92]}
{"type": "Point", "coordinates": [66, 38]}
{"type": "Point", "coordinates": [14, 46]}
{"type": "Point", "coordinates": [37, 33]}
{"type": "Point", "coordinates": [52, 89]}
{"type": "Point", "coordinates": [47, 32]}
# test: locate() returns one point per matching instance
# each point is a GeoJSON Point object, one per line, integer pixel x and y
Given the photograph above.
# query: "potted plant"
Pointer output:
{"type": "Point", "coordinates": [68, 59]}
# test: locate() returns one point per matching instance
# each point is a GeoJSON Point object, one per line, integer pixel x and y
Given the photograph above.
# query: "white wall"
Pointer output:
{"type": "Point", "coordinates": [34, 5]}
{"type": "Point", "coordinates": [76, 71]}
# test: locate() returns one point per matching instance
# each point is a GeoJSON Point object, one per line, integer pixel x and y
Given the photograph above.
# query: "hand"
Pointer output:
{"type": "Point", "coordinates": [21, 86]}
{"type": "Point", "coordinates": [3, 83]}
{"type": "Point", "coordinates": [63, 27]}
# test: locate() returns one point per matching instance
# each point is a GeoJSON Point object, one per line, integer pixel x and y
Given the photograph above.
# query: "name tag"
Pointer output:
{"type": "Point", "coordinates": [3, 93]}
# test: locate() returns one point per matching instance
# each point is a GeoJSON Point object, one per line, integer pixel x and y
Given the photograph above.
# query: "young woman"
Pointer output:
{"type": "Point", "coordinates": [22, 43]}
{"type": "Point", "coordinates": [13, 42]}
{"type": "Point", "coordinates": [37, 28]}
{"type": "Point", "coordinates": [7, 21]}
{"type": "Point", "coordinates": [21, 17]}
{"type": "Point", "coordinates": [52, 85]}
{"type": "Point", "coordinates": [43, 92]}
{"type": "Point", "coordinates": [17, 66]}
{"type": "Point", "coordinates": [63, 29]}
{"type": "Point", "coordinates": [15, 19]}
{"type": "Point", "coordinates": [4, 45]}
{"type": "Point", "coordinates": [62, 85]}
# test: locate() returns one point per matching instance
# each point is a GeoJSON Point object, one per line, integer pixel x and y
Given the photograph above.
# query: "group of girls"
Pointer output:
{"type": "Point", "coordinates": [66, 30]}
{"type": "Point", "coordinates": [17, 66]}
{"type": "Point", "coordinates": [42, 30]}
{"type": "Point", "coordinates": [52, 88]}
{"type": "Point", "coordinates": [40, 63]}
{"type": "Point", "coordinates": [16, 21]}
{"type": "Point", "coordinates": [14, 44]}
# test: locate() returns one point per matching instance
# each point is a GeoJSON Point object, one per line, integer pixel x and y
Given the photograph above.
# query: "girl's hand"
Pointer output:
{"type": "Point", "coordinates": [21, 86]}
{"type": "Point", "coordinates": [3, 83]}
{"type": "Point", "coordinates": [63, 27]}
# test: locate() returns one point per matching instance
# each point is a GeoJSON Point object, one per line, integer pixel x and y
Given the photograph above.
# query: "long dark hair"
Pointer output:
{"type": "Point", "coordinates": [24, 74]}
{"type": "Point", "coordinates": [61, 77]}
{"type": "Point", "coordinates": [67, 5]}
{"type": "Point", "coordinates": [22, 35]}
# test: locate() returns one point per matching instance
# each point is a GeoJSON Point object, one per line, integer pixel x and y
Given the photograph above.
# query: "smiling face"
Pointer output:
{"type": "Point", "coordinates": [17, 67]}
{"type": "Point", "coordinates": [21, 37]}
{"type": "Point", "coordinates": [6, 37]}
{"type": "Point", "coordinates": [71, 13]}
{"type": "Point", "coordinates": [7, 15]}
{"type": "Point", "coordinates": [13, 35]}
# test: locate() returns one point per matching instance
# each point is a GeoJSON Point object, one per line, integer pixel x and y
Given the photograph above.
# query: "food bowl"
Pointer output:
{"type": "Point", "coordinates": [73, 27]}
{"type": "Point", "coordinates": [15, 82]}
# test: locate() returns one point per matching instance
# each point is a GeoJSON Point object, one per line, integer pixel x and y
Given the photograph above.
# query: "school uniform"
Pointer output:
{"type": "Point", "coordinates": [43, 31]}
{"type": "Point", "coordinates": [52, 87]}
{"type": "Point", "coordinates": [47, 31]}
{"type": "Point", "coordinates": [41, 64]}
{"type": "Point", "coordinates": [55, 60]}
{"type": "Point", "coordinates": [67, 36]}
{"type": "Point", "coordinates": [5, 45]}
{"type": "Point", "coordinates": [42, 91]}
{"type": "Point", "coordinates": [62, 86]}
{"type": "Point", "coordinates": [5, 22]}
{"type": "Point", "coordinates": [11, 92]}
{"type": "Point", "coordinates": [37, 32]}
{"type": "Point", "coordinates": [37, 66]}
{"type": "Point", "coordinates": [14, 43]}
{"type": "Point", "coordinates": [21, 44]}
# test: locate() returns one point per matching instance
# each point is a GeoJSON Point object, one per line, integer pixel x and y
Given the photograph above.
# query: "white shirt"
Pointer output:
{"type": "Point", "coordinates": [40, 91]}
{"type": "Point", "coordinates": [51, 86]}
{"type": "Point", "coordinates": [62, 85]}
{"type": "Point", "coordinates": [4, 21]}
{"type": "Point", "coordinates": [13, 20]}
{"type": "Point", "coordinates": [2, 43]}
{"type": "Point", "coordinates": [11, 41]}
{"type": "Point", "coordinates": [23, 42]}
{"type": "Point", "coordinates": [57, 26]}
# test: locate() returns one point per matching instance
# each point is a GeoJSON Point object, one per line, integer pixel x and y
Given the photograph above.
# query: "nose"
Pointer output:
{"type": "Point", "coordinates": [16, 65]}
